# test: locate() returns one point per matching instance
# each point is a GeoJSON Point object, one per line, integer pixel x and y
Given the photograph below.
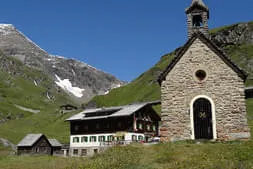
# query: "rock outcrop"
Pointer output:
{"type": "Point", "coordinates": [236, 34]}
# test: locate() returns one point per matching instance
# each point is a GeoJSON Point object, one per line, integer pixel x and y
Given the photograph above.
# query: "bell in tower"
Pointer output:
{"type": "Point", "coordinates": [197, 18]}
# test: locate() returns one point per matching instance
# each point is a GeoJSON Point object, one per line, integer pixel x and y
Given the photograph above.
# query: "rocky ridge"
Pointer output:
{"type": "Point", "coordinates": [68, 74]}
{"type": "Point", "coordinates": [235, 34]}
{"type": "Point", "coordinates": [237, 42]}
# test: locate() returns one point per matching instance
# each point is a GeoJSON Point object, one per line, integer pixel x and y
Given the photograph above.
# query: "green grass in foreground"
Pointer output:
{"type": "Point", "coordinates": [38, 162]}
{"type": "Point", "coordinates": [230, 155]}
{"type": "Point", "coordinates": [176, 155]}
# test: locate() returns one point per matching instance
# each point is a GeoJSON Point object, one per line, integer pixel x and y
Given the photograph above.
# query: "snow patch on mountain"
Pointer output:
{"type": "Point", "coordinates": [6, 29]}
{"type": "Point", "coordinates": [74, 73]}
{"type": "Point", "coordinates": [107, 92]}
{"type": "Point", "coordinates": [58, 56]}
{"type": "Point", "coordinates": [116, 86]}
{"type": "Point", "coordinates": [35, 82]}
{"type": "Point", "coordinates": [66, 85]}
{"type": "Point", "coordinates": [113, 87]}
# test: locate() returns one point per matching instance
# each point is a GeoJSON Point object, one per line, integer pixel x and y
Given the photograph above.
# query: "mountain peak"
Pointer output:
{"type": "Point", "coordinates": [4, 25]}
{"type": "Point", "coordinates": [6, 29]}
{"type": "Point", "coordinates": [71, 72]}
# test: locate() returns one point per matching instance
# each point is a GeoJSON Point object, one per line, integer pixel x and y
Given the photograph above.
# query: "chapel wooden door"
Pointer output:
{"type": "Point", "coordinates": [203, 127]}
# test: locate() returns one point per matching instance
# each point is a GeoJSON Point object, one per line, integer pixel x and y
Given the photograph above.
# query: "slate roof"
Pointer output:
{"type": "Point", "coordinates": [117, 111]}
{"type": "Point", "coordinates": [29, 140]}
{"type": "Point", "coordinates": [54, 143]}
{"type": "Point", "coordinates": [212, 46]}
{"type": "Point", "coordinates": [249, 88]}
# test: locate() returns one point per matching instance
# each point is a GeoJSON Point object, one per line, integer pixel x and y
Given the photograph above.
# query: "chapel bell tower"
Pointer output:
{"type": "Point", "coordinates": [197, 18]}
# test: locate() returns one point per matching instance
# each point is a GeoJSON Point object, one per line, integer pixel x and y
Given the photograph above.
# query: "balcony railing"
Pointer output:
{"type": "Point", "coordinates": [113, 143]}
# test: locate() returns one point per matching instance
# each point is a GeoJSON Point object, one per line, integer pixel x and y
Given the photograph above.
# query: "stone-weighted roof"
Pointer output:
{"type": "Point", "coordinates": [29, 140]}
{"type": "Point", "coordinates": [54, 142]}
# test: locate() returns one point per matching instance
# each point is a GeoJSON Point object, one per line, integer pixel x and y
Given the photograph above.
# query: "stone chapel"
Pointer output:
{"type": "Point", "coordinates": [202, 90]}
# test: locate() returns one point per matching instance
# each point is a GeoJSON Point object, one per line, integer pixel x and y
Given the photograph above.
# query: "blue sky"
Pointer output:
{"type": "Point", "coordinates": [121, 37]}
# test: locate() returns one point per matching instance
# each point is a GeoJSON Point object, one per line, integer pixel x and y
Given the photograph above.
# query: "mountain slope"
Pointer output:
{"type": "Point", "coordinates": [34, 84]}
{"type": "Point", "coordinates": [87, 80]}
{"type": "Point", "coordinates": [29, 102]}
{"type": "Point", "coordinates": [235, 40]}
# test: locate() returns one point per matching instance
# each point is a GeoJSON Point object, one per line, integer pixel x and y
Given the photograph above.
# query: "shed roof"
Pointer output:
{"type": "Point", "coordinates": [249, 88]}
{"type": "Point", "coordinates": [29, 139]}
{"type": "Point", "coordinates": [54, 142]}
{"type": "Point", "coordinates": [117, 111]}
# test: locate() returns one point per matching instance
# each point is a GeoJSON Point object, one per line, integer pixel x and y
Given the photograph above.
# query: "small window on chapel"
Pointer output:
{"type": "Point", "coordinates": [201, 75]}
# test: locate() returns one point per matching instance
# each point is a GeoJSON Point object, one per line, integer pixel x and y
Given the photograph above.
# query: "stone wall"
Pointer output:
{"type": "Point", "coordinates": [192, 29]}
{"type": "Point", "coordinates": [222, 85]}
{"type": "Point", "coordinates": [86, 151]}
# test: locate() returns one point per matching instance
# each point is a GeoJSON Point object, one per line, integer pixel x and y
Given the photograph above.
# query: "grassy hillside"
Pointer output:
{"type": "Point", "coordinates": [18, 89]}
{"type": "Point", "coordinates": [146, 88]}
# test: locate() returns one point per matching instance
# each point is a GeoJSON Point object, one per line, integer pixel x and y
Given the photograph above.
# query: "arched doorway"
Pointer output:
{"type": "Point", "coordinates": [202, 117]}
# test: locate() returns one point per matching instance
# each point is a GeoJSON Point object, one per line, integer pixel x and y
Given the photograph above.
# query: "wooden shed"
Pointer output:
{"type": "Point", "coordinates": [56, 147]}
{"type": "Point", "coordinates": [33, 144]}
{"type": "Point", "coordinates": [38, 144]}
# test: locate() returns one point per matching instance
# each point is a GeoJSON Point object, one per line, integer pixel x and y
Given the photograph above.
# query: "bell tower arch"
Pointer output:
{"type": "Point", "coordinates": [197, 18]}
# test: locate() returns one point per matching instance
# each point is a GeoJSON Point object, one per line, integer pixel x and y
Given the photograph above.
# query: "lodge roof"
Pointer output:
{"type": "Point", "coordinates": [118, 111]}
{"type": "Point", "coordinates": [54, 142]}
{"type": "Point", "coordinates": [29, 139]}
{"type": "Point", "coordinates": [212, 46]}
